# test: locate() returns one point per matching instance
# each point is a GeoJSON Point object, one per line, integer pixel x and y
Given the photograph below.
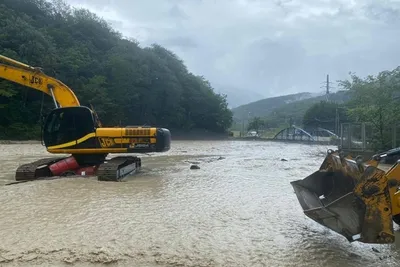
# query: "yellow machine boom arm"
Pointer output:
{"type": "Point", "coordinates": [34, 78]}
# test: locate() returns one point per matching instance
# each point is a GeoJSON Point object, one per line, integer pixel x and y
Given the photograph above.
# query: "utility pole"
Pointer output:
{"type": "Point", "coordinates": [242, 131]}
{"type": "Point", "coordinates": [327, 87]}
{"type": "Point", "coordinates": [327, 84]}
{"type": "Point", "coordinates": [243, 119]}
{"type": "Point", "coordinates": [337, 122]}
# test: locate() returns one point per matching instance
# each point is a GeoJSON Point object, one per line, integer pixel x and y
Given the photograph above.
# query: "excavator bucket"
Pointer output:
{"type": "Point", "coordinates": [348, 197]}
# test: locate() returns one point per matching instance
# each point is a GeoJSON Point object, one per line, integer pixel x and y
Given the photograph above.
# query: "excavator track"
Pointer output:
{"type": "Point", "coordinates": [118, 168]}
{"type": "Point", "coordinates": [32, 171]}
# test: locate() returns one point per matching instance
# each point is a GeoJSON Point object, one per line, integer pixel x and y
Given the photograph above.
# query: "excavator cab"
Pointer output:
{"type": "Point", "coordinates": [68, 124]}
{"type": "Point", "coordinates": [351, 197]}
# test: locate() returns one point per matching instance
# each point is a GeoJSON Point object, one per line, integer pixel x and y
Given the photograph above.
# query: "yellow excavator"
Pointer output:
{"type": "Point", "coordinates": [355, 198]}
{"type": "Point", "coordinates": [76, 130]}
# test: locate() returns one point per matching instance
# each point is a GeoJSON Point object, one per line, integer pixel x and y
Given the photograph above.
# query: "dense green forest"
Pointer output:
{"type": "Point", "coordinates": [126, 84]}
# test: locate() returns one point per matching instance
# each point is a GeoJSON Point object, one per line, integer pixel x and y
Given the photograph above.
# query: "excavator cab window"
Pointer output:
{"type": "Point", "coordinates": [64, 125]}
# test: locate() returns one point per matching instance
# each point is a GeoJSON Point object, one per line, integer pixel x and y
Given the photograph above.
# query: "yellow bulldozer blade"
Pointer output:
{"type": "Point", "coordinates": [350, 198]}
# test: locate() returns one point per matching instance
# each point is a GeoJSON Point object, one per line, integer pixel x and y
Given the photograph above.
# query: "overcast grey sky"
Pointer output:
{"type": "Point", "coordinates": [259, 48]}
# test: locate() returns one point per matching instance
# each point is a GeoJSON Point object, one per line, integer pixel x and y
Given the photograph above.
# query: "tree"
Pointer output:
{"type": "Point", "coordinates": [324, 115]}
{"type": "Point", "coordinates": [373, 101]}
{"type": "Point", "coordinates": [256, 124]}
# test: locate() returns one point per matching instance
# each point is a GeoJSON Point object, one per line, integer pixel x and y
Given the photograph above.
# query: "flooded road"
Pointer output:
{"type": "Point", "coordinates": [239, 210]}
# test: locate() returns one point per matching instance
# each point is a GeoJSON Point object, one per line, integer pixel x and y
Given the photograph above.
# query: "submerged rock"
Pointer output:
{"type": "Point", "coordinates": [194, 167]}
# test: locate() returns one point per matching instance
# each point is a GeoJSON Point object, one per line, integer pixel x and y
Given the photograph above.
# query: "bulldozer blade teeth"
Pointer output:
{"type": "Point", "coordinates": [349, 200]}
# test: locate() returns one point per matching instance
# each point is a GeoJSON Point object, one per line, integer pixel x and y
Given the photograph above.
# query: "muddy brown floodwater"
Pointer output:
{"type": "Point", "coordinates": [239, 210]}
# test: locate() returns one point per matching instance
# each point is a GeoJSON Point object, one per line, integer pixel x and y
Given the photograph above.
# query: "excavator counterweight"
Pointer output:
{"type": "Point", "coordinates": [355, 199]}
{"type": "Point", "coordinates": [74, 129]}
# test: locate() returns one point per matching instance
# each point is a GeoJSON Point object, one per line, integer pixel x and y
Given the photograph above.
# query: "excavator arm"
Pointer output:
{"type": "Point", "coordinates": [34, 77]}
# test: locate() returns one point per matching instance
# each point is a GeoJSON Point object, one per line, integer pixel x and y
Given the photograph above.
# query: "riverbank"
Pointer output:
{"type": "Point", "coordinates": [13, 142]}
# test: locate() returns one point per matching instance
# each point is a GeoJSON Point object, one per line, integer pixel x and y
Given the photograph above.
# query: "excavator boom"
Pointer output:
{"type": "Point", "coordinates": [74, 129]}
{"type": "Point", "coordinates": [33, 77]}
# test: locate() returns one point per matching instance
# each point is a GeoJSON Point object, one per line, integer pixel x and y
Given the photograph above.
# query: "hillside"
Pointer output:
{"type": "Point", "coordinates": [280, 111]}
{"type": "Point", "coordinates": [127, 84]}
{"type": "Point", "coordinates": [296, 110]}
{"type": "Point", "coordinates": [263, 107]}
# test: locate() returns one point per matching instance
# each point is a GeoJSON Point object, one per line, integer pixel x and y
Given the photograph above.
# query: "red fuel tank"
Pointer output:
{"type": "Point", "coordinates": [67, 164]}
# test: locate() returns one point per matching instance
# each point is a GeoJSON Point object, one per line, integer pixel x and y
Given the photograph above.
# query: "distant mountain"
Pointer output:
{"type": "Point", "coordinates": [263, 107]}
{"type": "Point", "coordinates": [237, 96]}
{"type": "Point", "coordinates": [283, 107]}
